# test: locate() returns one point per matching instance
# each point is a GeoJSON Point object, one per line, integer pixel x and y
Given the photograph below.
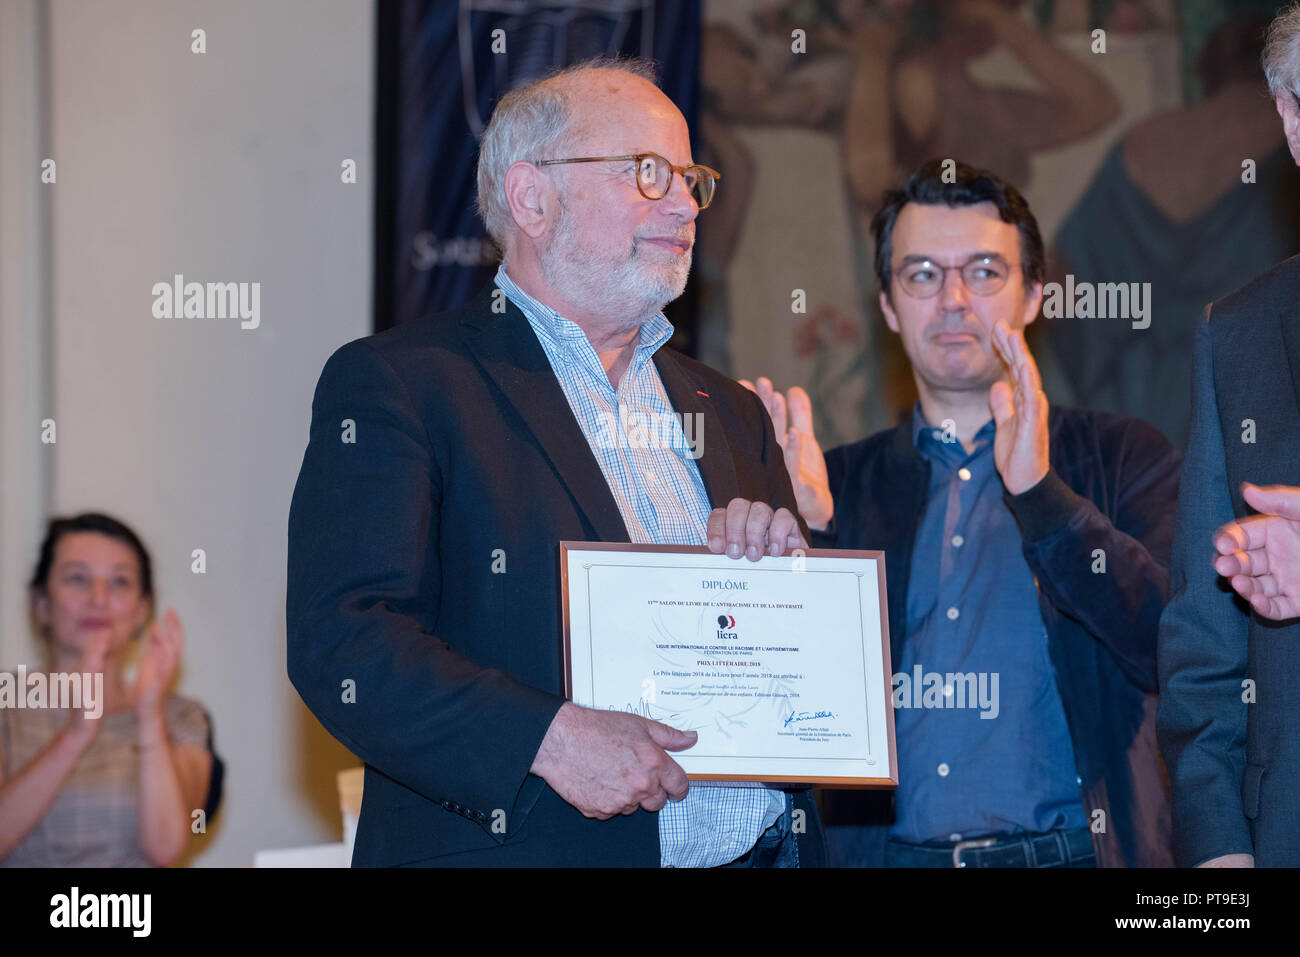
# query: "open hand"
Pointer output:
{"type": "Point", "coordinates": [792, 419]}
{"type": "Point", "coordinates": [1260, 554]}
{"type": "Point", "coordinates": [159, 663]}
{"type": "Point", "coordinates": [91, 663]}
{"type": "Point", "coordinates": [1020, 447]}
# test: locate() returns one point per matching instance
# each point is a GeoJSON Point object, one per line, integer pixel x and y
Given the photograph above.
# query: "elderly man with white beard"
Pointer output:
{"type": "Point", "coordinates": [423, 555]}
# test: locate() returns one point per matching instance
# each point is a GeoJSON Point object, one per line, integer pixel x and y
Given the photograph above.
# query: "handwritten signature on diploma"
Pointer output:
{"type": "Point", "coordinates": [643, 708]}
{"type": "Point", "coordinates": [806, 716]}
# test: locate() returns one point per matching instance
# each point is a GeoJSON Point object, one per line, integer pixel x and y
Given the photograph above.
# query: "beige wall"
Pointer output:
{"type": "Point", "coordinates": [225, 167]}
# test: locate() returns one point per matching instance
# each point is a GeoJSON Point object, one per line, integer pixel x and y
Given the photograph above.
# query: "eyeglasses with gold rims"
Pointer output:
{"type": "Point", "coordinates": [983, 275]}
{"type": "Point", "coordinates": [654, 175]}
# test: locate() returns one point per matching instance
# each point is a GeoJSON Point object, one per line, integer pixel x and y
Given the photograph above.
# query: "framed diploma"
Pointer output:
{"type": "Point", "coordinates": [781, 665]}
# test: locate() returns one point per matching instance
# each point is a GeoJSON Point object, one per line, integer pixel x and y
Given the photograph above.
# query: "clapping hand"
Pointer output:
{"type": "Point", "coordinates": [160, 662]}
{"type": "Point", "coordinates": [1021, 446]}
{"type": "Point", "coordinates": [792, 419]}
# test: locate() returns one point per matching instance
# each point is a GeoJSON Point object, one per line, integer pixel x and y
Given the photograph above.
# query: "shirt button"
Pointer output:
{"type": "Point", "coordinates": [650, 477]}
{"type": "Point", "coordinates": [964, 474]}
{"type": "Point", "coordinates": [954, 837]}
{"type": "Point", "coordinates": [943, 770]}
{"type": "Point", "coordinates": [952, 614]}
{"type": "Point", "coordinates": [958, 541]}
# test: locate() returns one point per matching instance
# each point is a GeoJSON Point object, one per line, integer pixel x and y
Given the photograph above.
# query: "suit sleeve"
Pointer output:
{"type": "Point", "coordinates": [1067, 538]}
{"type": "Point", "coordinates": [1201, 716]}
{"type": "Point", "coordinates": [364, 578]}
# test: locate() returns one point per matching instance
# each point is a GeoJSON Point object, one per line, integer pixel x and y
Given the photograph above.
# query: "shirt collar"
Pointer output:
{"type": "Point", "coordinates": [566, 336]}
{"type": "Point", "coordinates": [929, 440]}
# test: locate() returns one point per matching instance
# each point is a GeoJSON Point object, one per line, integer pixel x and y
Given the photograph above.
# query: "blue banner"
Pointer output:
{"type": "Point", "coordinates": [442, 66]}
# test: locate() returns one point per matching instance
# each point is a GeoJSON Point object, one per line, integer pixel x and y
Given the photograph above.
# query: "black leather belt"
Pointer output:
{"type": "Point", "coordinates": [1052, 849]}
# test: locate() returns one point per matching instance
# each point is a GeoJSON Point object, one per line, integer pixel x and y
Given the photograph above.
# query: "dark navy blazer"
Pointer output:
{"type": "Point", "coordinates": [1229, 713]}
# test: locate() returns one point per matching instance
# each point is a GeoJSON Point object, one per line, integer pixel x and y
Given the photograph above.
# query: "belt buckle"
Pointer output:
{"type": "Point", "coordinates": [968, 845]}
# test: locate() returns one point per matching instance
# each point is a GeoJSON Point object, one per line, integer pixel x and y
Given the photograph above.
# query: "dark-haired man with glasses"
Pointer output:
{"type": "Point", "coordinates": [423, 556]}
{"type": "Point", "coordinates": [1027, 553]}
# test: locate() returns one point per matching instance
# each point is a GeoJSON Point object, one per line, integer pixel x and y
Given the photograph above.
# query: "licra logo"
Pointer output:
{"type": "Point", "coordinates": [102, 910]}
{"type": "Point", "coordinates": [1101, 300]}
{"type": "Point", "coordinates": [726, 622]}
{"type": "Point", "coordinates": [212, 300]}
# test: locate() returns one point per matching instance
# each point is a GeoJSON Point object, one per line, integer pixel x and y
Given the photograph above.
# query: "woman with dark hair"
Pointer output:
{"type": "Point", "coordinates": [118, 784]}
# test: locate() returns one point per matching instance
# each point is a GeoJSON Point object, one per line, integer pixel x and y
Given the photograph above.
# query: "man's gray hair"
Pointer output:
{"type": "Point", "coordinates": [1281, 58]}
{"type": "Point", "coordinates": [527, 124]}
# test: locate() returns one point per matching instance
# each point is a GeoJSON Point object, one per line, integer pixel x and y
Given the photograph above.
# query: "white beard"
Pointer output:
{"type": "Point", "coordinates": [628, 288]}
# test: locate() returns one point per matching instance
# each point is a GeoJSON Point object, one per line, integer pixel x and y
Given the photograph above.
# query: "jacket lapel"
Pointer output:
{"type": "Point", "coordinates": [1290, 321]}
{"type": "Point", "coordinates": [687, 397]}
{"type": "Point", "coordinates": [508, 351]}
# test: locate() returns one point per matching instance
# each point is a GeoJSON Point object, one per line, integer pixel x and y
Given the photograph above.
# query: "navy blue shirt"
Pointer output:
{"type": "Point", "coordinates": [983, 744]}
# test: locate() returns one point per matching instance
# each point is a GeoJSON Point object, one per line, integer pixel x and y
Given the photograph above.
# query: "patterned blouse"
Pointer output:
{"type": "Point", "coordinates": [93, 820]}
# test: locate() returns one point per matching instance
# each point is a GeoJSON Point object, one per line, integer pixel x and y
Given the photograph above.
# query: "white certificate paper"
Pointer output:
{"type": "Point", "coordinates": [781, 665]}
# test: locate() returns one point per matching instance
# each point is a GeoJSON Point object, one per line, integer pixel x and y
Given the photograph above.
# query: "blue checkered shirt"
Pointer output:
{"type": "Point", "coordinates": [646, 460]}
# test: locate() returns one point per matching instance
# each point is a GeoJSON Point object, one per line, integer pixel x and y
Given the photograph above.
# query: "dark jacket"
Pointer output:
{"type": "Point", "coordinates": [1229, 705]}
{"type": "Point", "coordinates": [1112, 486]}
{"type": "Point", "coordinates": [468, 462]}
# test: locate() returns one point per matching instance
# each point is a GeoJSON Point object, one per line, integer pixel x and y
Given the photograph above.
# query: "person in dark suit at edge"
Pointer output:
{"type": "Point", "coordinates": [1229, 668]}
